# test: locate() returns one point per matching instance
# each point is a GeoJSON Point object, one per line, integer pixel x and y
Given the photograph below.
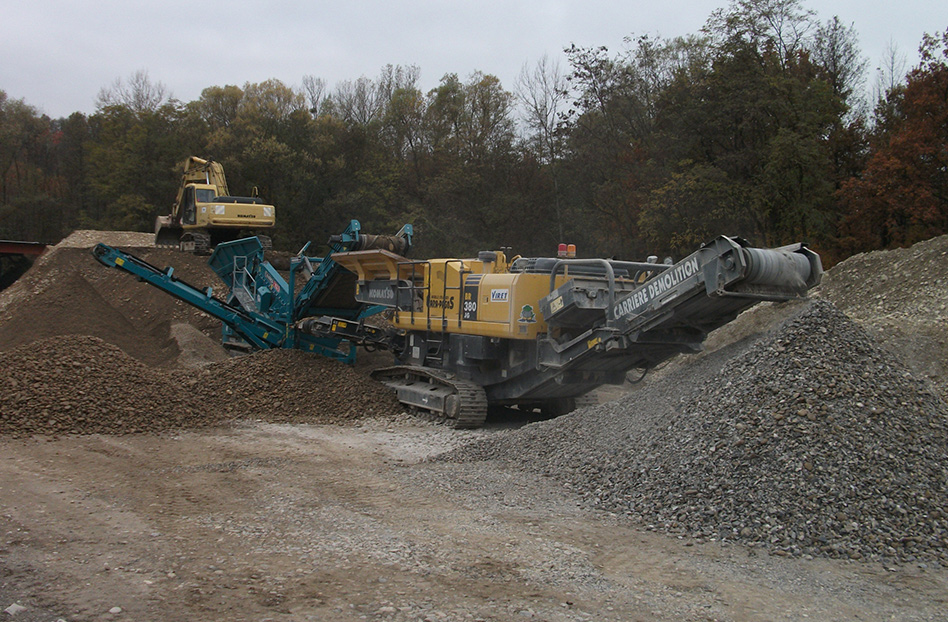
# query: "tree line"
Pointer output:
{"type": "Point", "coordinates": [757, 126]}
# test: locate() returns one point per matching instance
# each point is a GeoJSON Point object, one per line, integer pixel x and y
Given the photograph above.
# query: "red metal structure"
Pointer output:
{"type": "Point", "coordinates": [10, 247]}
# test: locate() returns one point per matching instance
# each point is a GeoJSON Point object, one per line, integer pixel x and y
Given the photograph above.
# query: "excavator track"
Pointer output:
{"type": "Point", "coordinates": [460, 403]}
{"type": "Point", "coordinates": [197, 242]}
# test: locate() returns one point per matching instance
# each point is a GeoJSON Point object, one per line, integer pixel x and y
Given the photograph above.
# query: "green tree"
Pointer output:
{"type": "Point", "coordinates": [468, 191]}
{"type": "Point", "coordinates": [32, 188]}
{"type": "Point", "coordinates": [619, 151]}
{"type": "Point", "coordinates": [693, 206]}
{"type": "Point", "coordinates": [21, 129]}
{"type": "Point", "coordinates": [72, 138]}
{"type": "Point", "coordinates": [132, 154]}
{"type": "Point", "coordinates": [761, 113]}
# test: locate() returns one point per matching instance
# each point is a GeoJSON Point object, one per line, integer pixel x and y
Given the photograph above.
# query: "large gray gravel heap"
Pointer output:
{"type": "Point", "coordinates": [901, 297]}
{"type": "Point", "coordinates": [810, 441]}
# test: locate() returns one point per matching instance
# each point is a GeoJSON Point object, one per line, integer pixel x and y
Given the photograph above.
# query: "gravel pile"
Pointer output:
{"type": "Point", "coordinates": [901, 297]}
{"type": "Point", "coordinates": [809, 441]}
{"type": "Point", "coordinates": [83, 385]}
{"type": "Point", "coordinates": [86, 349]}
{"type": "Point", "coordinates": [68, 292]}
{"type": "Point", "coordinates": [291, 386]}
{"type": "Point", "coordinates": [87, 238]}
{"type": "Point", "coordinates": [899, 282]}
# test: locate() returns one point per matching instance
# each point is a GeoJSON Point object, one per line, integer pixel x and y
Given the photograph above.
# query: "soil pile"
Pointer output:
{"type": "Point", "coordinates": [811, 440]}
{"type": "Point", "coordinates": [291, 386]}
{"type": "Point", "coordinates": [87, 238]}
{"type": "Point", "coordinates": [83, 385]}
{"type": "Point", "coordinates": [89, 349]}
{"type": "Point", "coordinates": [68, 292]}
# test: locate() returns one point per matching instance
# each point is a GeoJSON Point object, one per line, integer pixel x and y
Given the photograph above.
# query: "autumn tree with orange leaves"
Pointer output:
{"type": "Point", "coordinates": [902, 195]}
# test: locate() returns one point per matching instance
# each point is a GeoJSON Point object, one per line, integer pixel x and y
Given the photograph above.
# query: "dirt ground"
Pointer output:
{"type": "Point", "coordinates": [289, 522]}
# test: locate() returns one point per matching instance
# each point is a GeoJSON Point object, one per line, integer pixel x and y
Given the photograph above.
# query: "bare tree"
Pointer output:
{"type": "Point", "coordinates": [543, 95]}
{"type": "Point", "coordinates": [782, 25]}
{"type": "Point", "coordinates": [138, 93]}
{"type": "Point", "coordinates": [315, 90]}
{"type": "Point", "coordinates": [890, 73]}
{"type": "Point", "coordinates": [836, 50]}
{"type": "Point", "coordinates": [365, 100]}
{"type": "Point", "coordinates": [358, 101]}
{"type": "Point", "coordinates": [395, 77]}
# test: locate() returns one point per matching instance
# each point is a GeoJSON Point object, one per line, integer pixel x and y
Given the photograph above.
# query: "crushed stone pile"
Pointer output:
{"type": "Point", "coordinates": [901, 297]}
{"type": "Point", "coordinates": [89, 349]}
{"type": "Point", "coordinates": [291, 386]}
{"type": "Point", "coordinates": [899, 282]}
{"type": "Point", "coordinates": [82, 385]}
{"type": "Point", "coordinates": [809, 441]}
{"type": "Point", "coordinates": [87, 238]}
{"type": "Point", "coordinates": [68, 292]}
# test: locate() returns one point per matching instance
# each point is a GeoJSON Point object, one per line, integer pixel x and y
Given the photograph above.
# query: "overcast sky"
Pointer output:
{"type": "Point", "coordinates": [58, 54]}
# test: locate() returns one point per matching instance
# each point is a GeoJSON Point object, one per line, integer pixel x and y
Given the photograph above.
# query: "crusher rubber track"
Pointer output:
{"type": "Point", "coordinates": [460, 403]}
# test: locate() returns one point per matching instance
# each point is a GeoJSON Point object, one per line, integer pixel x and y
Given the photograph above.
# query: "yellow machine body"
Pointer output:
{"type": "Point", "coordinates": [209, 213]}
{"type": "Point", "coordinates": [464, 296]}
{"type": "Point", "coordinates": [542, 332]}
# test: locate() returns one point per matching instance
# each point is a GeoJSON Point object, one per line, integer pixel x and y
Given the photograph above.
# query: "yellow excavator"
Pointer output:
{"type": "Point", "coordinates": [205, 214]}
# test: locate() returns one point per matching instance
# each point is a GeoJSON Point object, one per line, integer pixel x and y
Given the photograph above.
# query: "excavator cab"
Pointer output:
{"type": "Point", "coordinates": [188, 207]}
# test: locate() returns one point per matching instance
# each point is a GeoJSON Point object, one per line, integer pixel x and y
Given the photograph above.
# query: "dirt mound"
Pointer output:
{"type": "Point", "coordinates": [83, 385]}
{"type": "Point", "coordinates": [68, 292]}
{"type": "Point", "coordinates": [145, 361]}
{"type": "Point", "coordinates": [73, 306]}
{"type": "Point", "coordinates": [291, 386]}
{"type": "Point", "coordinates": [809, 441]}
{"type": "Point", "coordinates": [197, 349]}
{"type": "Point", "coordinates": [87, 238]}
{"type": "Point", "coordinates": [899, 282]}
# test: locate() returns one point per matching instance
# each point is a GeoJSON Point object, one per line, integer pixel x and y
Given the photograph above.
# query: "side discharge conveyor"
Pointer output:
{"type": "Point", "coordinates": [670, 312]}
